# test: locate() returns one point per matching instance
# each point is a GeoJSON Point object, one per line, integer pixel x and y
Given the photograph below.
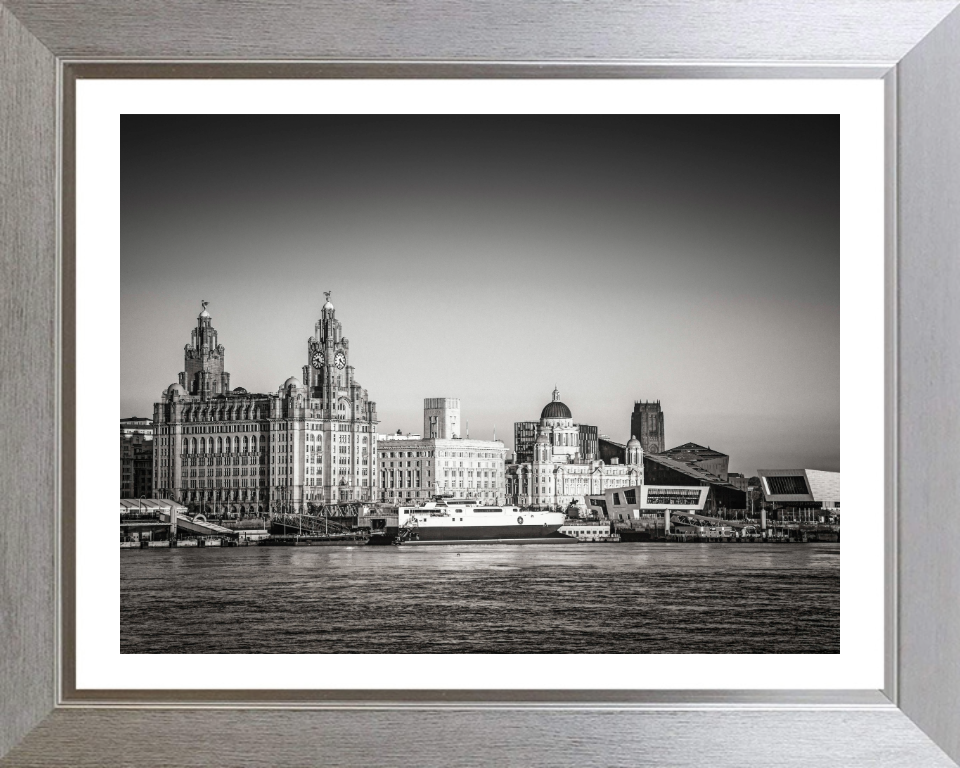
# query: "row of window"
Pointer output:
{"type": "Point", "coordinates": [237, 472]}
{"type": "Point", "coordinates": [242, 483]}
{"type": "Point", "coordinates": [192, 445]}
{"type": "Point", "coordinates": [247, 413]}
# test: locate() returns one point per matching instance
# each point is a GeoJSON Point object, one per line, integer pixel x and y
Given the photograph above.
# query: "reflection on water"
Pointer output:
{"type": "Point", "coordinates": [578, 598]}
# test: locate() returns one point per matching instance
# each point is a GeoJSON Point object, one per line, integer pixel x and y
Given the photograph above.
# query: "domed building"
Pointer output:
{"type": "Point", "coordinates": [556, 424]}
{"type": "Point", "coordinates": [556, 461]}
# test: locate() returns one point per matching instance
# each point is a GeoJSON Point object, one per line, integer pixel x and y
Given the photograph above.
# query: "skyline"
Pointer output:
{"type": "Point", "coordinates": [691, 260]}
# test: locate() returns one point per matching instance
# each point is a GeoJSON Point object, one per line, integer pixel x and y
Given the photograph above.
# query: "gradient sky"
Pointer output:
{"type": "Point", "coordinates": [690, 259]}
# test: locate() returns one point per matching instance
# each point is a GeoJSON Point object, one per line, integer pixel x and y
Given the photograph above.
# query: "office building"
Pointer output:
{"type": "Point", "coordinates": [415, 467]}
{"type": "Point", "coordinates": [227, 451]}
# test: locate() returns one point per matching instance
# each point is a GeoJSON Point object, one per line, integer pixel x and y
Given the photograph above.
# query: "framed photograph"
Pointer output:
{"type": "Point", "coordinates": [667, 264]}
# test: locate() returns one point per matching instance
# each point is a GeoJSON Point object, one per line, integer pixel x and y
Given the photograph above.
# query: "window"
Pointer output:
{"type": "Point", "coordinates": [787, 485]}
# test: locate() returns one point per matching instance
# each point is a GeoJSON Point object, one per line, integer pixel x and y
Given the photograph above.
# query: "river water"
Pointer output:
{"type": "Point", "coordinates": [576, 598]}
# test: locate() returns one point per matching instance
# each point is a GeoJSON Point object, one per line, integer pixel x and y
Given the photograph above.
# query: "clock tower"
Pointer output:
{"type": "Point", "coordinates": [330, 425]}
{"type": "Point", "coordinates": [328, 357]}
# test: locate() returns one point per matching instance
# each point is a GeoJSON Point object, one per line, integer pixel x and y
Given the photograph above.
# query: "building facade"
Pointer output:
{"type": "Point", "coordinates": [722, 497]}
{"type": "Point", "coordinates": [230, 452]}
{"type": "Point", "coordinates": [136, 425]}
{"type": "Point", "coordinates": [801, 495]}
{"type": "Point", "coordinates": [418, 467]}
{"type": "Point", "coordinates": [441, 417]}
{"type": "Point", "coordinates": [524, 437]}
{"type": "Point", "coordinates": [559, 474]}
{"type": "Point", "coordinates": [611, 451]}
{"type": "Point", "coordinates": [136, 462]}
{"type": "Point", "coordinates": [714, 462]}
{"type": "Point", "coordinates": [646, 423]}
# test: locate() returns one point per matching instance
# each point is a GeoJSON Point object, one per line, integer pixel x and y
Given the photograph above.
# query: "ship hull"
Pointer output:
{"type": "Point", "coordinates": [472, 533]}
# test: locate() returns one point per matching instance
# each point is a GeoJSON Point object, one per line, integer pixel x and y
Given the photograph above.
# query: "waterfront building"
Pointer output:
{"type": "Point", "coordinates": [640, 512]}
{"type": "Point", "coordinates": [628, 505]}
{"type": "Point", "coordinates": [722, 498]}
{"type": "Point", "coordinates": [525, 435]}
{"type": "Point", "coordinates": [230, 452]}
{"type": "Point", "coordinates": [414, 467]}
{"type": "Point", "coordinates": [801, 495]}
{"type": "Point", "coordinates": [714, 462]}
{"type": "Point", "coordinates": [646, 423]}
{"type": "Point", "coordinates": [136, 459]}
{"type": "Point", "coordinates": [559, 474]}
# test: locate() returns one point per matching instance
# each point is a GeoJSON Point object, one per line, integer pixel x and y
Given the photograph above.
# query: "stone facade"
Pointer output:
{"type": "Point", "coordinates": [420, 468]}
{"type": "Point", "coordinates": [559, 474]}
{"type": "Point", "coordinates": [441, 417]}
{"type": "Point", "coordinates": [646, 423]}
{"type": "Point", "coordinates": [230, 452]}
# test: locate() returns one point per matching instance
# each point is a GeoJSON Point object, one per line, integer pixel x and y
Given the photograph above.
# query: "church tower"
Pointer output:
{"type": "Point", "coordinates": [203, 372]}
{"type": "Point", "coordinates": [646, 424]}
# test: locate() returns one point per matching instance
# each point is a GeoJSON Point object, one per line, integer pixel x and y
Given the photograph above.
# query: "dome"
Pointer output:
{"type": "Point", "coordinates": [543, 440]}
{"type": "Point", "coordinates": [293, 381]}
{"type": "Point", "coordinates": [328, 305]}
{"type": "Point", "coordinates": [204, 314]}
{"type": "Point", "coordinates": [555, 410]}
{"type": "Point", "coordinates": [175, 389]}
{"type": "Point", "coordinates": [633, 442]}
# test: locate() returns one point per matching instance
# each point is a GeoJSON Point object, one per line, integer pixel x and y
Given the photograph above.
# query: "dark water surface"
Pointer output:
{"type": "Point", "coordinates": [577, 598]}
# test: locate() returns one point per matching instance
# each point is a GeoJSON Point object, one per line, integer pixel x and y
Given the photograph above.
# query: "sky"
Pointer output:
{"type": "Point", "coordinates": [693, 260]}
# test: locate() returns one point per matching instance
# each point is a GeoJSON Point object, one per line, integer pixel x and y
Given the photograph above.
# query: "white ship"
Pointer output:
{"type": "Point", "coordinates": [461, 520]}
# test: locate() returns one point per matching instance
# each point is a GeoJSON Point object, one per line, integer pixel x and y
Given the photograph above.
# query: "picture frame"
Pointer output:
{"type": "Point", "coordinates": [914, 46]}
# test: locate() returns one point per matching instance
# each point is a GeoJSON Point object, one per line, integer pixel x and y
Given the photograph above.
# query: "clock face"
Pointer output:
{"type": "Point", "coordinates": [317, 360]}
{"type": "Point", "coordinates": [340, 360]}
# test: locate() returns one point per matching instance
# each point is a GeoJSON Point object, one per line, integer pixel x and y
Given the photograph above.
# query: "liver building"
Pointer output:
{"type": "Point", "coordinates": [226, 451]}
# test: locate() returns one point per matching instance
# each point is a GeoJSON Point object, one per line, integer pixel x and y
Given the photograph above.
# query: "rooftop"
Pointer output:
{"type": "Point", "coordinates": [695, 452]}
{"type": "Point", "coordinates": [688, 469]}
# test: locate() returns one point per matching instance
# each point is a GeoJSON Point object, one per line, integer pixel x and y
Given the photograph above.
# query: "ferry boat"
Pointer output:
{"type": "Point", "coordinates": [461, 521]}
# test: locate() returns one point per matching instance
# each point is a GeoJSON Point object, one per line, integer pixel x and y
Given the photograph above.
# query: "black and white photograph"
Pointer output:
{"type": "Point", "coordinates": [480, 384]}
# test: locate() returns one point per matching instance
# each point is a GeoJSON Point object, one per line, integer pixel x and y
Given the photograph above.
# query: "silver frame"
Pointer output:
{"type": "Point", "coordinates": [914, 45]}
